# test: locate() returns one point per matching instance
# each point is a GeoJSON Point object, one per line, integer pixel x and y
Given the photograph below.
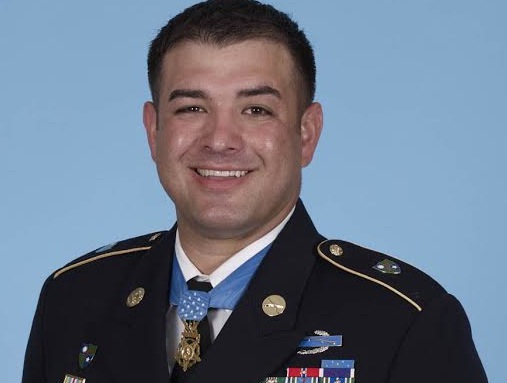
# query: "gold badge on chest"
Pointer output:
{"type": "Point", "coordinates": [189, 351]}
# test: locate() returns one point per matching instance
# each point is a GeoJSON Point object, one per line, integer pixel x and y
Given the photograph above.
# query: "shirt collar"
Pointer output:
{"type": "Point", "coordinates": [225, 269]}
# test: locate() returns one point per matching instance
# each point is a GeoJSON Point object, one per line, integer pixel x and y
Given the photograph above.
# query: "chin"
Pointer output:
{"type": "Point", "coordinates": [225, 225]}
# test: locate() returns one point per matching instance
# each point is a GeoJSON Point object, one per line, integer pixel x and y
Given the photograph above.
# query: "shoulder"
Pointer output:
{"type": "Point", "coordinates": [415, 287]}
{"type": "Point", "coordinates": [119, 250]}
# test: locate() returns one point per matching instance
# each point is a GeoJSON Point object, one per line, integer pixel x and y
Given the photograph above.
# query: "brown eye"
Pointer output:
{"type": "Point", "coordinates": [190, 109]}
{"type": "Point", "coordinates": [257, 110]}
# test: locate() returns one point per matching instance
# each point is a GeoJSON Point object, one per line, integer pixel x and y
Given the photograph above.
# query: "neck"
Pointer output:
{"type": "Point", "coordinates": [207, 252]}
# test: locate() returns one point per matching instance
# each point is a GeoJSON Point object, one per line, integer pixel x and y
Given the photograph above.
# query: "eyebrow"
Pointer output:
{"type": "Point", "coordinates": [258, 91]}
{"type": "Point", "coordinates": [250, 92]}
{"type": "Point", "coordinates": [190, 93]}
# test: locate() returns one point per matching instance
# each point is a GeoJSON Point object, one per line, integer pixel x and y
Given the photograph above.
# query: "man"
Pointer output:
{"type": "Point", "coordinates": [231, 124]}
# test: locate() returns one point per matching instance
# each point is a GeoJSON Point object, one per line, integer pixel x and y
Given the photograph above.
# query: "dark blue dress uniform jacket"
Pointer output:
{"type": "Point", "coordinates": [401, 328]}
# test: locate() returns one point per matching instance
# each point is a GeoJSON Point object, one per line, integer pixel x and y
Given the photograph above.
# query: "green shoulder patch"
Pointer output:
{"type": "Point", "coordinates": [128, 246]}
{"type": "Point", "coordinates": [402, 279]}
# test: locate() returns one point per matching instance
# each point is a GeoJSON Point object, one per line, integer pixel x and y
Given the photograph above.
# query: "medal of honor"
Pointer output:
{"type": "Point", "coordinates": [188, 352]}
{"type": "Point", "coordinates": [193, 304]}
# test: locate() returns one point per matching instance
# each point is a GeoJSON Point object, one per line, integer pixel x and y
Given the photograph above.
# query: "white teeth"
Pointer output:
{"type": "Point", "coordinates": [222, 173]}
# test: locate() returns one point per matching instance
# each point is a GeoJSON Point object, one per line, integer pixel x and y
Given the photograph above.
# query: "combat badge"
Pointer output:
{"type": "Point", "coordinates": [319, 343]}
{"type": "Point", "coordinates": [86, 354]}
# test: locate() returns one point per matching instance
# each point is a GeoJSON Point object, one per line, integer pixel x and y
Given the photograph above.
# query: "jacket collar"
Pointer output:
{"type": "Point", "coordinates": [251, 344]}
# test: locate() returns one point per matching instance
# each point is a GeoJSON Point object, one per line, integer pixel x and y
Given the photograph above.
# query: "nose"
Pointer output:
{"type": "Point", "coordinates": [222, 133]}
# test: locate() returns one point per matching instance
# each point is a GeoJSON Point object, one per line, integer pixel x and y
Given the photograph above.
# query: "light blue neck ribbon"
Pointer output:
{"type": "Point", "coordinates": [193, 305]}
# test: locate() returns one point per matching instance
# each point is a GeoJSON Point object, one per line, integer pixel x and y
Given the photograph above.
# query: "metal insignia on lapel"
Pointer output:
{"type": "Point", "coordinates": [388, 267]}
{"type": "Point", "coordinates": [86, 354]}
{"type": "Point", "coordinates": [135, 297]}
{"type": "Point", "coordinates": [274, 305]}
{"type": "Point", "coordinates": [319, 343]}
{"type": "Point", "coordinates": [73, 379]}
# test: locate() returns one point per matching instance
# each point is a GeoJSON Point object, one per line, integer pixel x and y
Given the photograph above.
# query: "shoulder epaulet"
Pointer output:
{"type": "Point", "coordinates": [127, 246]}
{"type": "Point", "coordinates": [402, 279]}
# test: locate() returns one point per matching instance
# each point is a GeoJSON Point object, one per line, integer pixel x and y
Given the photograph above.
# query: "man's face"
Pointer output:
{"type": "Point", "coordinates": [229, 137]}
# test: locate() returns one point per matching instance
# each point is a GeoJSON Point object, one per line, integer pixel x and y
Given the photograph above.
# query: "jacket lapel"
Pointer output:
{"type": "Point", "coordinates": [131, 340]}
{"type": "Point", "coordinates": [252, 344]}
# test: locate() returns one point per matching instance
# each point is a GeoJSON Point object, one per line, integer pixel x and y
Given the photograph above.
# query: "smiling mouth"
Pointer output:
{"type": "Point", "coordinates": [222, 173]}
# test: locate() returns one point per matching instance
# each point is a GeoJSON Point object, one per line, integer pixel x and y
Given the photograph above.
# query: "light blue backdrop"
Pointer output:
{"type": "Point", "coordinates": [412, 161]}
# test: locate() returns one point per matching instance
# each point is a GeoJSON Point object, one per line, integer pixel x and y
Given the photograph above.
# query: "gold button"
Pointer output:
{"type": "Point", "coordinates": [336, 250]}
{"type": "Point", "coordinates": [135, 297]}
{"type": "Point", "coordinates": [273, 305]}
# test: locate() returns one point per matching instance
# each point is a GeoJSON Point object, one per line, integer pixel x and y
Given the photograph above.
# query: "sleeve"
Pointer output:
{"type": "Point", "coordinates": [33, 369]}
{"type": "Point", "coordinates": [438, 347]}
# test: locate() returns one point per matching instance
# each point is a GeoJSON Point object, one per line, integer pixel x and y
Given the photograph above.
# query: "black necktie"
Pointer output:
{"type": "Point", "coordinates": [203, 328]}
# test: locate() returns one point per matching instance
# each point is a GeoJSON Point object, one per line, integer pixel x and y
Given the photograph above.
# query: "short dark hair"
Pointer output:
{"type": "Point", "coordinates": [224, 22]}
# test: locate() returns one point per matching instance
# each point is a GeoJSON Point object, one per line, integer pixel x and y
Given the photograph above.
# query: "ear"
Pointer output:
{"type": "Point", "coordinates": [311, 126]}
{"type": "Point", "coordinates": [150, 125]}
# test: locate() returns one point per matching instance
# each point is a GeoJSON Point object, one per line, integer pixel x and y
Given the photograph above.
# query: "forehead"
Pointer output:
{"type": "Point", "coordinates": [255, 59]}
